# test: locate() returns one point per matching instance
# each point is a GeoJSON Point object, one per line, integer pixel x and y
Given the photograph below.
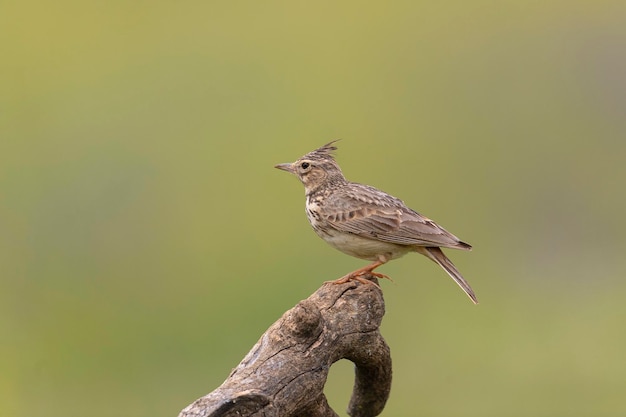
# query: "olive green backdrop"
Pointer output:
{"type": "Point", "coordinates": [146, 241]}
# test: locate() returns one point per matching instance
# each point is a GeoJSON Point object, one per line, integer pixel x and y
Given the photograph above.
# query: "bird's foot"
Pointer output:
{"type": "Point", "coordinates": [360, 275]}
{"type": "Point", "coordinates": [348, 278]}
{"type": "Point", "coordinates": [379, 275]}
{"type": "Point", "coordinates": [355, 277]}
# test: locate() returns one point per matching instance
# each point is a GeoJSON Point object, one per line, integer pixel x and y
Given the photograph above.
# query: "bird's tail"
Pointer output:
{"type": "Point", "coordinates": [437, 255]}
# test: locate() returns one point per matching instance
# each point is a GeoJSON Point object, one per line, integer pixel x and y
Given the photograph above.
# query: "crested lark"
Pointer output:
{"type": "Point", "coordinates": [368, 223]}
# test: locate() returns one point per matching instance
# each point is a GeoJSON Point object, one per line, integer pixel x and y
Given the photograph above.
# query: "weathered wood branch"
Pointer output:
{"type": "Point", "coordinates": [285, 372]}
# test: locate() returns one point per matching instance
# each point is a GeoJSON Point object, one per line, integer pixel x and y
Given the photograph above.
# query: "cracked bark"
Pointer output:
{"type": "Point", "coordinates": [285, 372]}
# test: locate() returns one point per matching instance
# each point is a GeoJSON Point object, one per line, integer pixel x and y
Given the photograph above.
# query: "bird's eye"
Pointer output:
{"type": "Point", "coordinates": [304, 165]}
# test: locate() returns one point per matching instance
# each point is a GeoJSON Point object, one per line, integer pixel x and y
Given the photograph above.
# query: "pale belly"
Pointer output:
{"type": "Point", "coordinates": [364, 248]}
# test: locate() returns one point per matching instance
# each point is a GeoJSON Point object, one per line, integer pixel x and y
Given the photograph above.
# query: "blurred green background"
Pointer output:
{"type": "Point", "coordinates": [146, 241]}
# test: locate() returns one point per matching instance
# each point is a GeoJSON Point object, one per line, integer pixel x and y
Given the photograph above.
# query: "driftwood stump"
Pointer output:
{"type": "Point", "coordinates": [285, 372]}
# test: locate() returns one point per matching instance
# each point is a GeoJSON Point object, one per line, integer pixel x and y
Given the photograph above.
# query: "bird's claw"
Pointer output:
{"type": "Point", "coordinates": [381, 276]}
{"type": "Point", "coordinates": [360, 277]}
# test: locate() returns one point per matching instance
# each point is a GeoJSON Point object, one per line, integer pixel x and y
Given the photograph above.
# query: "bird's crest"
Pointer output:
{"type": "Point", "coordinates": [323, 153]}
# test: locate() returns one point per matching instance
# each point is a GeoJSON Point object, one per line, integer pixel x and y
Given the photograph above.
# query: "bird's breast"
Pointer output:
{"type": "Point", "coordinates": [313, 213]}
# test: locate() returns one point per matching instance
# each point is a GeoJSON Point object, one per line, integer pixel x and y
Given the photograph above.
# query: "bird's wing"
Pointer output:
{"type": "Point", "coordinates": [368, 212]}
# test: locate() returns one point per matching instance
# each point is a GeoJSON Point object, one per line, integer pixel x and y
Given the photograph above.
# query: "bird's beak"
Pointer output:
{"type": "Point", "coordinates": [285, 167]}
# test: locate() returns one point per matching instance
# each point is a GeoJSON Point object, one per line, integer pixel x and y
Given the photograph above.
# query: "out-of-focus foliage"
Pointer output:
{"type": "Point", "coordinates": [146, 241]}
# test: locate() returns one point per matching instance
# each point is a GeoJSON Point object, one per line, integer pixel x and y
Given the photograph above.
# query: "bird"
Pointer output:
{"type": "Point", "coordinates": [367, 223]}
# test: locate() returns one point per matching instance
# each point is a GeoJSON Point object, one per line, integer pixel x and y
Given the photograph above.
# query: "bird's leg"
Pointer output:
{"type": "Point", "coordinates": [359, 273]}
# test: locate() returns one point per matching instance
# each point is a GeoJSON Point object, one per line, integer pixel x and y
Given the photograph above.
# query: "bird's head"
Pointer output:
{"type": "Point", "coordinates": [316, 168]}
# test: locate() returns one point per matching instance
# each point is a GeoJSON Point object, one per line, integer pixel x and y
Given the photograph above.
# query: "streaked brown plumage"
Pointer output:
{"type": "Point", "coordinates": [368, 223]}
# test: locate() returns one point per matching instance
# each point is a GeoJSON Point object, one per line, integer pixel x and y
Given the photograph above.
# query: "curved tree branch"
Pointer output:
{"type": "Point", "coordinates": [285, 372]}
